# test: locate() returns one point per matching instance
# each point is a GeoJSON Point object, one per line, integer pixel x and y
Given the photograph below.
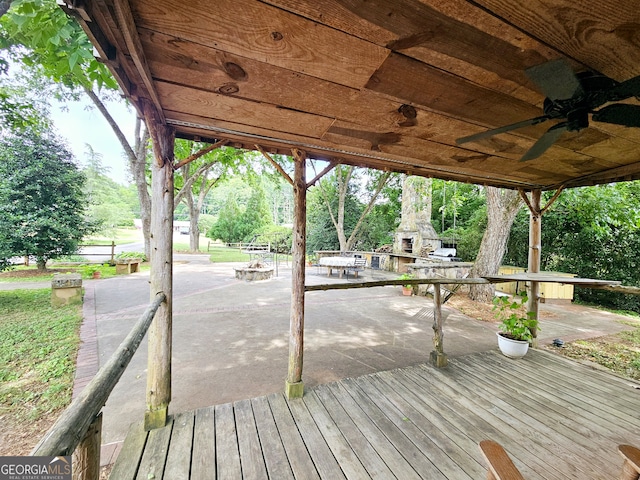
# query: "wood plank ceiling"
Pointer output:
{"type": "Point", "coordinates": [384, 84]}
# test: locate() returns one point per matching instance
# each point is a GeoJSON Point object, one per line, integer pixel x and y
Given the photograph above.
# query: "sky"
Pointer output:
{"type": "Point", "coordinates": [82, 124]}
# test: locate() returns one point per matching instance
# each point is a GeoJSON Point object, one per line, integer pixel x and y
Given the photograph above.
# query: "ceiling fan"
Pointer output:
{"type": "Point", "coordinates": [572, 97]}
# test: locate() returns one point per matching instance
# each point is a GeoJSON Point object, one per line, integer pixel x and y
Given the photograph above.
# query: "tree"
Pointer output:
{"type": "Point", "coordinates": [40, 35]}
{"type": "Point", "coordinates": [43, 211]}
{"type": "Point", "coordinates": [108, 202]}
{"type": "Point", "coordinates": [256, 215]}
{"type": "Point", "coordinates": [502, 207]}
{"type": "Point", "coordinates": [207, 166]}
{"type": "Point", "coordinates": [341, 177]}
{"type": "Point", "coordinates": [227, 228]}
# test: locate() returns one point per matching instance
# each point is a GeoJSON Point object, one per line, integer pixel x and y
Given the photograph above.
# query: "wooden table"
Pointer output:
{"type": "Point", "coordinates": [548, 278]}
{"type": "Point", "coordinates": [339, 263]}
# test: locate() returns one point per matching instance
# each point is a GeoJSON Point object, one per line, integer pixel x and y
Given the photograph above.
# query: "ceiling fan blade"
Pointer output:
{"type": "Point", "coordinates": [506, 128]}
{"type": "Point", "coordinates": [620, 114]}
{"type": "Point", "coordinates": [556, 79]}
{"type": "Point", "coordinates": [624, 90]}
{"type": "Point", "coordinates": [545, 141]}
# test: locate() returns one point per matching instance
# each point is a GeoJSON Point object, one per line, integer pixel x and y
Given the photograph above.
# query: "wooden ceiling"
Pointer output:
{"type": "Point", "coordinates": [383, 84]}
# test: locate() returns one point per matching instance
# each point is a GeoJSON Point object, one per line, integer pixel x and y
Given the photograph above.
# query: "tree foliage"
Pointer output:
{"type": "Point", "coordinates": [240, 223]}
{"type": "Point", "coordinates": [41, 190]}
{"type": "Point", "coordinates": [54, 42]}
{"type": "Point", "coordinates": [110, 205]}
{"type": "Point", "coordinates": [352, 209]}
{"type": "Point", "coordinates": [593, 232]}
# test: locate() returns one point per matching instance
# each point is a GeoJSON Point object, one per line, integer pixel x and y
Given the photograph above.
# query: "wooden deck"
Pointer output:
{"type": "Point", "coordinates": [557, 419]}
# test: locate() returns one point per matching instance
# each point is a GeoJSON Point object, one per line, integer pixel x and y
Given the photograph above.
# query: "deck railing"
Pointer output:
{"type": "Point", "coordinates": [79, 426]}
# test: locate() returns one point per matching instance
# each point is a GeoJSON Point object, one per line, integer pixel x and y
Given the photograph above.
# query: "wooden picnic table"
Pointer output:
{"type": "Point", "coordinates": [339, 263]}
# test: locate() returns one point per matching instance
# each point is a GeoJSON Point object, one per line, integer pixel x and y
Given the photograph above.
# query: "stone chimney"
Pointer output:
{"type": "Point", "coordinates": [416, 234]}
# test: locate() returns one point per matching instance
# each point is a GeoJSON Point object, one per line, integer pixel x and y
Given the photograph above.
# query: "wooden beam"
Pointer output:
{"type": "Point", "coordinates": [294, 385]}
{"type": "Point", "coordinates": [199, 154]}
{"type": "Point", "coordinates": [275, 164]}
{"type": "Point", "coordinates": [324, 171]}
{"type": "Point", "coordinates": [535, 241]}
{"type": "Point", "coordinates": [134, 45]}
{"type": "Point", "coordinates": [438, 357]}
{"type": "Point", "coordinates": [161, 277]}
{"type": "Point", "coordinates": [552, 200]}
{"type": "Point", "coordinates": [72, 424]}
{"type": "Point", "coordinates": [384, 283]}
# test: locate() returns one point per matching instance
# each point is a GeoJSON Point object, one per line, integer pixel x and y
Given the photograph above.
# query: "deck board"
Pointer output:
{"type": "Point", "coordinates": [556, 418]}
{"type": "Point", "coordinates": [179, 455]}
{"type": "Point", "coordinates": [253, 467]}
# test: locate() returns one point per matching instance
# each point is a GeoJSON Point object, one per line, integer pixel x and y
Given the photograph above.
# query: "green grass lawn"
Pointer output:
{"type": "Point", "coordinates": [120, 236]}
{"type": "Point", "coordinates": [38, 347]}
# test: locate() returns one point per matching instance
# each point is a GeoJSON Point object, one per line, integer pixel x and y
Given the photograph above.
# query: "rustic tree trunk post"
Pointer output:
{"type": "Point", "coordinates": [438, 357]}
{"type": "Point", "coordinates": [161, 276]}
{"type": "Point", "coordinates": [535, 245]}
{"type": "Point", "coordinates": [86, 458]}
{"type": "Point", "coordinates": [293, 386]}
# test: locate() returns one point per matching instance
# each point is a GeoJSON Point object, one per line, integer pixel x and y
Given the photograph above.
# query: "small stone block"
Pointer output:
{"type": "Point", "coordinates": [155, 418]}
{"type": "Point", "coordinates": [66, 289]}
{"type": "Point", "coordinates": [438, 359]}
{"type": "Point", "coordinates": [66, 280]}
{"type": "Point", "coordinates": [294, 390]}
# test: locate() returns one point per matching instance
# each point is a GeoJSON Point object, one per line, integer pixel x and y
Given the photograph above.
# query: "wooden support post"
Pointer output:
{"type": "Point", "coordinates": [438, 357]}
{"type": "Point", "coordinates": [294, 387]}
{"type": "Point", "coordinates": [161, 276]}
{"type": "Point", "coordinates": [535, 245]}
{"type": "Point", "coordinates": [86, 458]}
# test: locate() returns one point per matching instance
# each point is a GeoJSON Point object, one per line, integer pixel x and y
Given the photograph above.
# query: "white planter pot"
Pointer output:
{"type": "Point", "coordinates": [512, 348]}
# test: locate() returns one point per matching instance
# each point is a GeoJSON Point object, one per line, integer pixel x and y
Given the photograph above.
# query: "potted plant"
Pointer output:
{"type": "Point", "coordinates": [91, 271]}
{"type": "Point", "coordinates": [516, 325]}
{"type": "Point", "coordinates": [407, 290]}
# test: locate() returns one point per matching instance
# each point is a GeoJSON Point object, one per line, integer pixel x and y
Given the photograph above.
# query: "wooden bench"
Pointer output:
{"type": "Point", "coordinates": [500, 466]}
{"type": "Point", "coordinates": [631, 465]}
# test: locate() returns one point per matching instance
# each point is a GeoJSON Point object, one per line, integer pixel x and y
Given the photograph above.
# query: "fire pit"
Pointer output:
{"type": "Point", "coordinates": [256, 270]}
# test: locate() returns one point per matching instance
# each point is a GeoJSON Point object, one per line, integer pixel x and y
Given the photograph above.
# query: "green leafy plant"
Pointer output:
{"type": "Point", "coordinates": [128, 255]}
{"type": "Point", "coordinates": [407, 276]}
{"type": "Point", "coordinates": [516, 323]}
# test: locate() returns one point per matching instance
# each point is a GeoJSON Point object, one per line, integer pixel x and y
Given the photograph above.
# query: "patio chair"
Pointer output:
{"type": "Point", "coordinates": [358, 266]}
{"type": "Point", "coordinates": [502, 468]}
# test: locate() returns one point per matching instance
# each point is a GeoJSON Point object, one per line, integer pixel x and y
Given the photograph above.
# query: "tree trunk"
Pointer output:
{"type": "Point", "coordinates": [502, 207]}
{"type": "Point", "coordinates": [138, 166]}
{"type": "Point", "coordinates": [137, 157]}
{"type": "Point", "coordinates": [41, 264]}
{"type": "Point", "coordinates": [343, 186]}
{"type": "Point", "coordinates": [346, 244]}
{"type": "Point", "coordinates": [194, 231]}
